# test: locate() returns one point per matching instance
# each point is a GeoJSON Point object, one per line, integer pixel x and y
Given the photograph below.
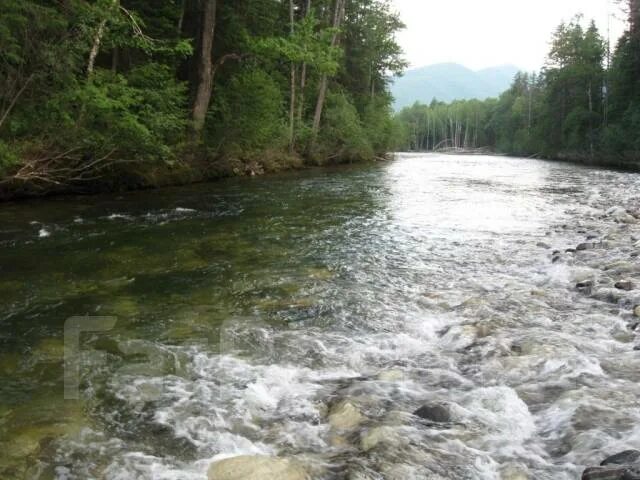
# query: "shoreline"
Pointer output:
{"type": "Point", "coordinates": [185, 175]}
{"type": "Point", "coordinates": [190, 174]}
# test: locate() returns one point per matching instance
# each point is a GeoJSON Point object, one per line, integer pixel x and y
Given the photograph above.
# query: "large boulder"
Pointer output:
{"type": "Point", "coordinates": [256, 467]}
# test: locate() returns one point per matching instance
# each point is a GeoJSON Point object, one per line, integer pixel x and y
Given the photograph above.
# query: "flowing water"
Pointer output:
{"type": "Point", "coordinates": [248, 309]}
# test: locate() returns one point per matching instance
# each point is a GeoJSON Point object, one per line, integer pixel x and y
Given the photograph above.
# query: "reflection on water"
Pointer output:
{"type": "Point", "coordinates": [249, 309]}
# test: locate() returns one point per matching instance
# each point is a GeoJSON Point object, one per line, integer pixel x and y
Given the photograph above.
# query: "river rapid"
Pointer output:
{"type": "Point", "coordinates": [308, 315]}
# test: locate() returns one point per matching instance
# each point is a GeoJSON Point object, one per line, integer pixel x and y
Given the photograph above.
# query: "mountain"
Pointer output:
{"type": "Point", "coordinates": [450, 81]}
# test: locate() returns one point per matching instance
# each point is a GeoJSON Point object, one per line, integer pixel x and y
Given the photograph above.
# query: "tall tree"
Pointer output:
{"type": "Point", "coordinates": [292, 99]}
{"type": "Point", "coordinates": [204, 82]}
{"type": "Point", "coordinates": [338, 15]}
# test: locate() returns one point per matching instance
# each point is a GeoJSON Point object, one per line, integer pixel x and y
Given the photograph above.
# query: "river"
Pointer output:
{"type": "Point", "coordinates": [247, 310]}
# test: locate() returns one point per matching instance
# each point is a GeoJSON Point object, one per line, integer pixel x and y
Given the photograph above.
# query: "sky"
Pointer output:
{"type": "Point", "coordinates": [486, 33]}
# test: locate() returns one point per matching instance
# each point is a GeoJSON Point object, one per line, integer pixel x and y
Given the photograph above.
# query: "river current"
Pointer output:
{"type": "Point", "coordinates": [237, 316]}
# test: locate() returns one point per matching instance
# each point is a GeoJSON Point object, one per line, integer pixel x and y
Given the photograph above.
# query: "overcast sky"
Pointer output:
{"type": "Point", "coordinates": [485, 33]}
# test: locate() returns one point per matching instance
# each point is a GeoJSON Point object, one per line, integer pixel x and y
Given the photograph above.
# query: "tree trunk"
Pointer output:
{"type": "Point", "coordinates": [303, 72]}
{"type": "Point", "coordinates": [634, 17]}
{"type": "Point", "coordinates": [292, 101]}
{"type": "Point", "coordinates": [95, 48]}
{"type": "Point", "coordinates": [97, 40]}
{"type": "Point", "coordinates": [322, 94]}
{"type": "Point", "coordinates": [204, 81]}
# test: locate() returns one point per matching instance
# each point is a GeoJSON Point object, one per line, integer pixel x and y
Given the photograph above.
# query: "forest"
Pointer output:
{"type": "Point", "coordinates": [113, 94]}
{"type": "Point", "coordinates": [584, 105]}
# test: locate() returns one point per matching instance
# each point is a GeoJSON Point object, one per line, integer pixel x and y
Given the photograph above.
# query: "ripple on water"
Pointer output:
{"type": "Point", "coordinates": [250, 311]}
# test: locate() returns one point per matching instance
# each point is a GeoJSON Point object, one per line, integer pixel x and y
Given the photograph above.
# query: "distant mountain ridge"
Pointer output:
{"type": "Point", "coordinates": [451, 81]}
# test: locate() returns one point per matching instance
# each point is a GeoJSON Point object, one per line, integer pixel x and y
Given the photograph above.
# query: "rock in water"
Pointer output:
{"type": "Point", "coordinates": [376, 436]}
{"type": "Point", "coordinates": [434, 412]}
{"type": "Point", "coordinates": [636, 311]}
{"type": "Point", "coordinates": [513, 472]}
{"type": "Point", "coordinates": [345, 416]}
{"type": "Point", "coordinates": [391, 376]}
{"type": "Point", "coordinates": [628, 457]}
{"type": "Point", "coordinates": [625, 285]}
{"type": "Point", "coordinates": [254, 467]}
{"type": "Point", "coordinates": [622, 466]}
{"type": "Point", "coordinates": [620, 214]}
{"type": "Point", "coordinates": [585, 246]}
{"type": "Point", "coordinates": [604, 473]}
{"type": "Point", "coordinates": [585, 287]}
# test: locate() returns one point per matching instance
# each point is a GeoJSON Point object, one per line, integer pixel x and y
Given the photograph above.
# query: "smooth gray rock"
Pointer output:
{"type": "Point", "coordinates": [255, 467]}
{"type": "Point", "coordinates": [608, 473]}
{"type": "Point", "coordinates": [628, 457]}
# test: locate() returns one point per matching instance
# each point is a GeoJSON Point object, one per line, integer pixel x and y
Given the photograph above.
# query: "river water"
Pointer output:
{"type": "Point", "coordinates": [247, 309]}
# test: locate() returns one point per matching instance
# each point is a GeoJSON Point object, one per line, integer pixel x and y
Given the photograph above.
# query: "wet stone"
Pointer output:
{"type": "Point", "coordinates": [609, 473]}
{"type": "Point", "coordinates": [636, 311]}
{"type": "Point", "coordinates": [345, 416]}
{"type": "Point", "coordinates": [585, 246]}
{"type": "Point", "coordinates": [585, 287]}
{"type": "Point", "coordinates": [627, 457]}
{"type": "Point", "coordinates": [627, 285]}
{"type": "Point", "coordinates": [434, 412]}
{"type": "Point", "coordinates": [250, 467]}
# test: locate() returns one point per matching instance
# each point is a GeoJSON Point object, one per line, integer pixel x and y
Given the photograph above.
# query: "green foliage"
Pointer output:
{"type": "Point", "coordinates": [114, 82]}
{"type": "Point", "coordinates": [252, 112]}
{"type": "Point", "coordinates": [8, 158]}
{"type": "Point", "coordinates": [344, 134]}
{"type": "Point", "coordinates": [309, 44]}
{"type": "Point", "coordinates": [136, 117]}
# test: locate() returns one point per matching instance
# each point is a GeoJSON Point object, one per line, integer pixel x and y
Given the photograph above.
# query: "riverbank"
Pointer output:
{"type": "Point", "coordinates": [189, 172]}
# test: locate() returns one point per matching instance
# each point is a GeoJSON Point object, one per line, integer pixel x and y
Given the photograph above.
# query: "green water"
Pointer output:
{"type": "Point", "coordinates": [170, 265]}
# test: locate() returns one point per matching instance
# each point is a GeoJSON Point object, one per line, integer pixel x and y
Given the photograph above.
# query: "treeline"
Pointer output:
{"type": "Point", "coordinates": [584, 105]}
{"type": "Point", "coordinates": [110, 93]}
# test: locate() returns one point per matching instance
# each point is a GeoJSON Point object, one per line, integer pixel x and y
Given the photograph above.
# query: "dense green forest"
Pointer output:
{"type": "Point", "coordinates": [584, 105]}
{"type": "Point", "coordinates": [126, 93]}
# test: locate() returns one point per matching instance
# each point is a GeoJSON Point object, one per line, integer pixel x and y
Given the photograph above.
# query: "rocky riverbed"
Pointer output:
{"type": "Point", "coordinates": [605, 267]}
